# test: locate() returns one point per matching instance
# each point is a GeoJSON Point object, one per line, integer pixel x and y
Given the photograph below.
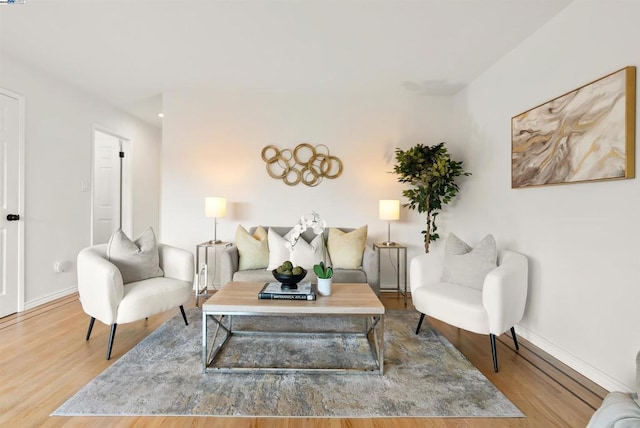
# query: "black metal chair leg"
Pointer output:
{"type": "Point", "coordinates": [111, 337]}
{"type": "Point", "coordinates": [420, 323]}
{"type": "Point", "coordinates": [515, 339]}
{"type": "Point", "coordinates": [184, 316]}
{"type": "Point", "coordinates": [494, 352]}
{"type": "Point", "coordinates": [90, 327]}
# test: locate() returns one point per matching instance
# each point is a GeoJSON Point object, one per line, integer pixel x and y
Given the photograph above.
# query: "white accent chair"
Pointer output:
{"type": "Point", "coordinates": [619, 409]}
{"type": "Point", "coordinates": [105, 297]}
{"type": "Point", "coordinates": [498, 307]}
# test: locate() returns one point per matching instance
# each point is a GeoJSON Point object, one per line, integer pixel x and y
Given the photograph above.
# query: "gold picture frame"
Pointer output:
{"type": "Point", "coordinates": [587, 134]}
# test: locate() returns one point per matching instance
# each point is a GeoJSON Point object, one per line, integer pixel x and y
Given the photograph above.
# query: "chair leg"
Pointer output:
{"type": "Point", "coordinates": [420, 323]}
{"type": "Point", "coordinates": [111, 337]}
{"type": "Point", "coordinates": [515, 339]}
{"type": "Point", "coordinates": [90, 327]}
{"type": "Point", "coordinates": [494, 352]}
{"type": "Point", "coordinates": [184, 316]}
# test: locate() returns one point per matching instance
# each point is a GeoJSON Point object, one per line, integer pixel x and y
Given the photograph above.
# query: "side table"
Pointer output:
{"type": "Point", "coordinates": [398, 249]}
{"type": "Point", "coordinates": [202, 282]}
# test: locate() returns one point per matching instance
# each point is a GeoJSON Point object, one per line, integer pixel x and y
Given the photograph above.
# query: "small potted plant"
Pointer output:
{"type": "Point", "coordinates": [325, 278]}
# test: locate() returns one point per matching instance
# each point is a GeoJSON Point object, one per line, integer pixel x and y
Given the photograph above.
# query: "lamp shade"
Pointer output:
{"type": "Point", "coordinates": [389, 209]}
{"type": "Point", "coordinates": [215, 207]}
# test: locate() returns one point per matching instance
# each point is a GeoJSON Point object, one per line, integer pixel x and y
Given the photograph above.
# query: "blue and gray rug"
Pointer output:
{"type": "Point", "coordinates": [424, 376]}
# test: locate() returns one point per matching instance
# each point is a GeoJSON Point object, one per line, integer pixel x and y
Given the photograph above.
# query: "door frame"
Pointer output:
{"type": "Point", "coordinates": [127, 180]}
{"type": "Point", "coordinates": [21, 191]}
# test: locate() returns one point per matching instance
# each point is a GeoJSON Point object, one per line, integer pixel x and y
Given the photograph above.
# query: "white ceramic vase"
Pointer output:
{"type": "Point", "coordinates": [324, 286]}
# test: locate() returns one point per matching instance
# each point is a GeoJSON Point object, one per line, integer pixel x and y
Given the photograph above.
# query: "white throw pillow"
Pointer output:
{"type": "Point", "coordinates": [253, 251]}
{"type": "Point", "coordinates": [306, 254]}
{"type": "Point", "coordinates": [346, 249]}
{"type": "Point", "coordinates": [136, 260]}
{"type": "Point", "coordinates": [278, 251]}
{"type": "Point", "coordinates": [468, 266]}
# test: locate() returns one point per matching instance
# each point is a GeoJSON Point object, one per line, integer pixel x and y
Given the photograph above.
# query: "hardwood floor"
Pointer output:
{"type": "Point", "coordinates": [44, 360]}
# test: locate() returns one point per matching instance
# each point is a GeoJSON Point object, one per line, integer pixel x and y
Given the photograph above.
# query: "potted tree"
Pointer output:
{"type": "Point", "coordinates": [432, 175]}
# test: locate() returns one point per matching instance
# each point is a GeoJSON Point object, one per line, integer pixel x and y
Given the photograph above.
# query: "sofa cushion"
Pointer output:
{"type": "Point", "coordinates": [346, 248]}
{"type": "Point", "coordinates": [349, 275]}
{"type": "Point", "coordinates": [137, 260]}
{"type": "Point", "coordinates": [454, 304]}
{"type": "Point", "coordinates": [468, 266]}
{"type": "Point", "coordinates": [253, 250]}
{"type": "Point", "coordinates": [142, 299]}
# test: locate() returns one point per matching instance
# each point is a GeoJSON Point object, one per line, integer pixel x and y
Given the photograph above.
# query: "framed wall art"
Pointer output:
{"type": "Point", "coordinates": [587, 134]}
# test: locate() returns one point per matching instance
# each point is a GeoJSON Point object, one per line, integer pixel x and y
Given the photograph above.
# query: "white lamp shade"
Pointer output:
{"type": "Point", "coordinates": [215, 207]}
{"type": "Point", "coordinates": [389, 209]}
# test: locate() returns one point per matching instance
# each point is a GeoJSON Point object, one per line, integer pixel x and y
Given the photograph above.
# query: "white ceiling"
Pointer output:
{"type": "Point", "coordinates": [131, 51]}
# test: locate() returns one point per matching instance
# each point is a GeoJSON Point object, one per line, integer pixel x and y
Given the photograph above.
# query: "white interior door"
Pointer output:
{"type": "Point", "coordinates": [11, 231]}
{"type": "Point", "coordinates": [110, 187]}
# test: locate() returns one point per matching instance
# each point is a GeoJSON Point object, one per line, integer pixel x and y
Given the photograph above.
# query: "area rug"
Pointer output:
{"type": "Point", "coordinates": [424, 375]}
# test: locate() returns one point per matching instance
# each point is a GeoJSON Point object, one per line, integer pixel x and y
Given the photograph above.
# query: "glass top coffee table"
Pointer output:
{"type": "Point", "coordinates": [240, 299]}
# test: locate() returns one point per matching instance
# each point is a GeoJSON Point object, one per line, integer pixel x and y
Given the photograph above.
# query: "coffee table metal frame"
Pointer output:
{"type": "Point", "coordinates": [373, 327]}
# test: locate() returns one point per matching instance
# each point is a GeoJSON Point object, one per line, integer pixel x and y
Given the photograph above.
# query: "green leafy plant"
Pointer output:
{"type": "Point", "coordinates": [322, 271]}
{"type": "Point", "coordinates": [432, 174]}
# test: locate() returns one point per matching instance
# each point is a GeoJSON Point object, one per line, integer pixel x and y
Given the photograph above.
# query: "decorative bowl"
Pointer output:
{"type": "Point", "coordinates": [289, 281]}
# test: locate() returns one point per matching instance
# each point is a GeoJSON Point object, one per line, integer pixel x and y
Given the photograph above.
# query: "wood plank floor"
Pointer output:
{"type": "Point", "coordinates": [44, 360]}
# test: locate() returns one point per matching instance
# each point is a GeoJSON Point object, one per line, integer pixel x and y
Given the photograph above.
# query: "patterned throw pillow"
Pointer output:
{"type": "Point", "coordinates": [136, 260]}
{"type": "Point", "coordinates": [468, 266]}
{"type": "Point", "coordinates": [253, 250]}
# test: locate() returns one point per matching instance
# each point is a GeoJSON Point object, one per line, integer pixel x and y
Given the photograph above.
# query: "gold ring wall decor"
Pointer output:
{"type": "Point", "coordinates": [305, 163]}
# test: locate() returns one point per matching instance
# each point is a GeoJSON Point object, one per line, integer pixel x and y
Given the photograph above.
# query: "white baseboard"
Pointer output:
{"type": "Point", "coordinates": [585, 369]}
{"type": "Point", "coordinates": [49, 298]}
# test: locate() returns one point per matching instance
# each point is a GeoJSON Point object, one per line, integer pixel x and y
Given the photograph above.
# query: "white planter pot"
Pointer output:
{"type": "Point", "coordinates": [324, 286]}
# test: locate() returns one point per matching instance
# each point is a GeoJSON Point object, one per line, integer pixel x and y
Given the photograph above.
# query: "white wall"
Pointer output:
{"type": "Point", "coordinates": [212, 144]}
{"type": "Point", "coordinates": [59, 137]}
{"type": "Point", "coordinates": [582, 239]}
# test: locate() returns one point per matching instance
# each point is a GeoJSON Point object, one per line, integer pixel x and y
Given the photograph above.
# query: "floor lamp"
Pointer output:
{"type": "Point", "coordinates": [389, 209]}
{"type": "Point", "coordinates": [216, 208]}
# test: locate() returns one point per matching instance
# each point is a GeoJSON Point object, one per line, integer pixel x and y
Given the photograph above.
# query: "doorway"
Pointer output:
{"type": "Point", "coordinates": [12, 126]}
{"type": "Point", "coordinates": [111, 186]}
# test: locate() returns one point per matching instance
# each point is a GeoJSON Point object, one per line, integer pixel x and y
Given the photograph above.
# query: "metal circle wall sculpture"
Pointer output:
{"type": "Point", "coordinates": [305, 163]}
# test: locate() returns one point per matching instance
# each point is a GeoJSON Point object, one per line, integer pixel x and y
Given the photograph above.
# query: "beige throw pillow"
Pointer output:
{"type": "Point", "coordinates": [346, 249]}
{"type": "Point", "coordinates": [468, 266]}
{"type": "Point", "coordinates": [137, 260]}
{"type": "Point", "coordinates": [253, 250]}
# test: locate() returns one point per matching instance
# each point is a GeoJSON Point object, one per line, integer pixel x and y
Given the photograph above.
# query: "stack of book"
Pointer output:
{"type": "Point", "coordinates": [274, 290]}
